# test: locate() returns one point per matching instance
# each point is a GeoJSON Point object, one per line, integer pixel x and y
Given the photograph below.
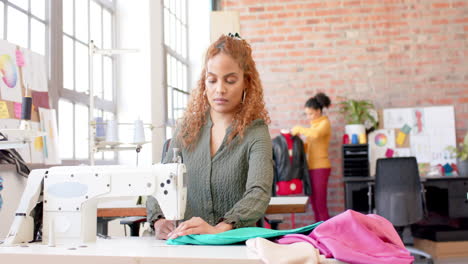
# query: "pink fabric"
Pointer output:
{"type": "Point", "coordinates": [318, 199]}
{"type": "Point", "coordinates": [356, 238]}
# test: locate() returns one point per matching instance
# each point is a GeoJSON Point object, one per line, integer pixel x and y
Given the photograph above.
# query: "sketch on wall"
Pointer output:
{"type": "Point", "coordinates": [23, 73]}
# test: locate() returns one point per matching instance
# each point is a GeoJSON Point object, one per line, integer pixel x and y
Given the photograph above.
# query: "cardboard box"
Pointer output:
{"type": "Point", "coordinates": [440, 250]}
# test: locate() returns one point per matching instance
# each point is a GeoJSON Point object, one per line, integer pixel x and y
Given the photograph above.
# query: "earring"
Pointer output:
{"type": "Point", "coordinates": [243, 97]}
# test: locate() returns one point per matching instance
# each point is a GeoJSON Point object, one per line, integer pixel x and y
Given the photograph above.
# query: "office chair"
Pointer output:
{"type": "Point", "coordinates": [399, 195]}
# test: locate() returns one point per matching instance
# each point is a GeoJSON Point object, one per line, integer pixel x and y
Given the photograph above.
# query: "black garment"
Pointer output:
{"type": "Point", "coordinates": [284, 170]}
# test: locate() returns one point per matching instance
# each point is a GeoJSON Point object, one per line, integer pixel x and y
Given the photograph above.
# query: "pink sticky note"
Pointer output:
{"type": "Point", "coordinates": [17, 107]}
{"type": "Point", "coordinates": [40, 99]}
{"type": "Point", "coordinates": [389, 153]}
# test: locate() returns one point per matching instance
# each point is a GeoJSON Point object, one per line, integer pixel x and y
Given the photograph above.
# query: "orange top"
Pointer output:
{"type": "Point", "coordinates": [317, 142]}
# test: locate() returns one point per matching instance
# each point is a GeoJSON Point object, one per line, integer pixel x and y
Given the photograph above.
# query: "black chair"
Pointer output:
{"type": "Point", "coordinates": [399, 195]}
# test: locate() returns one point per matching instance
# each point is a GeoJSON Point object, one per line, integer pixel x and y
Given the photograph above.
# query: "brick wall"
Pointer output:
{"type": "Point", "coordinates": [398, 53]}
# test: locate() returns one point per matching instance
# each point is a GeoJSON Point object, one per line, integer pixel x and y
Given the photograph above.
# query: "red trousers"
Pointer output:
{"type": "Point", "coordinates": [318, 199]}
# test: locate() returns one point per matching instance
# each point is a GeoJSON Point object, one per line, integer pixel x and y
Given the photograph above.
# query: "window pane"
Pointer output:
{"type": "Point", "coordinates": [169, 103]}
{"type": "Point", "coordinates": [81, 130]}
{"type": "Point", "coordinates": [174, 32]}
{"type": "Point", "coordinates": [81, 20]}
{"type": "Point", "coordinates": [174, 72]}
{"type": "Point", "coordinates": [68, 16]}
{"type": "Point", "coordinates": [178, 46]}
{"type": "Point", "coordinates": [68, 63]}
{"type": "Point", "coordinates": [168, 70]}
{"type": "Point", "coordinates": [166, 27]}
{"type": "Point", "coordinates": [184, 42]}
{"type": "Point", "coordinates": [65, 124]}
{"type": "Point", "coordinates": [184, 78]}
{"type": "Point", "coordinates": [96, 23]}
{"type": "Point", "coordinates": [37, 36]}
{"type": "Point", "coordinates": [82, 72]}
{"type": "Point", "coordinates": [109, 155]}
{"type": "Point", "coordinates": [20, 3]}
{"type": "Point", "coordinates": [108, 77]}
{"type": "Point", "coordinates": [184, 11]}
{"type": "Point", "coordinates": [38, 8]}
{"type": "Point", "coordinates": [107, 29]}
{"type": "Point", "coordinates": [109, 116]}
{"type": "Point", "coordinates": [1, 20]}
{"type": "Point", "coordinates": [17, 31]}
{"type": "Point", "coordinates": [97, 76]}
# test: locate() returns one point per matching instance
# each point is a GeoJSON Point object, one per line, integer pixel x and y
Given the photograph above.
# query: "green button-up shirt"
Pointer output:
{"type": "Point", "coordinates": [234, 185]}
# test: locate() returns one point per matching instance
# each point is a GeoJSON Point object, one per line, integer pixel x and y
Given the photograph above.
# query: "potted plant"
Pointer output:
{"type": "Point", "coordinates": [462, 156]}
{"type": "Point", "coordinates": [359, 115]}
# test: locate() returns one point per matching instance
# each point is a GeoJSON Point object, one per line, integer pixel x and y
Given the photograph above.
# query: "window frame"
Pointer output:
{"type": "Point", "coordinates": [169, 51]}
{"type": "Point", "coordinates": [56, 83]}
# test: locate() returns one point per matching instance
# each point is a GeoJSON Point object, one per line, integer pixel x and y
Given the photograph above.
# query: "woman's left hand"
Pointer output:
{"type": "Point", "coordinates": [197, 225]}
{"type": "Point", "coordinates": [295, 130]}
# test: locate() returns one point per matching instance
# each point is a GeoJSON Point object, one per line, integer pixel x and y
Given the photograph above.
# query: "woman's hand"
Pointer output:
{"type": "Point", "coordinates": [197, 225]}
{"type": "Point", "coordinates": [296, 130]}
{"type": "Point", "coordinates": [163, 227]}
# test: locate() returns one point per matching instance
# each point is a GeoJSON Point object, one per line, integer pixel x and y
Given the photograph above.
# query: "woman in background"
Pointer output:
{"type": "Point", "coordinates": [317, 141]}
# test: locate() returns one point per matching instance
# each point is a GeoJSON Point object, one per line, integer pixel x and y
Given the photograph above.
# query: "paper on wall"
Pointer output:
{"type": "Point", "coordinates": [397, 117]}
{"type": "Point", "coordinates": [379, 142]}
{"type": "Point", "coordinates": [4, 110]}
{"type": "Point", "coordinates": [10, 88]}
{"type": "Point", "coordinates": [50, 141]}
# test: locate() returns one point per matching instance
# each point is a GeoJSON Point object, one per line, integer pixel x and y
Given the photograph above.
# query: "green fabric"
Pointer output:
{"type": "Point", "coordinates": [237, 235]}
{"type": "Point", "coordinates": [233, 186]}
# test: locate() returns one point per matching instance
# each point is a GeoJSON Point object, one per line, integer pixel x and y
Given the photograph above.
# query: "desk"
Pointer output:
{"type": "Point", "coordinates": [126, 250]}
{"type": "Point", "coordinates": [445, 195]}
{"type": "Point", "coordinates": [278, 205]}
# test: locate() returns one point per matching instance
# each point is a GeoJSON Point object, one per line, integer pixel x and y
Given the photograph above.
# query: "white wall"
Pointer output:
{"type": "Point", "coordinates": [134, 74]}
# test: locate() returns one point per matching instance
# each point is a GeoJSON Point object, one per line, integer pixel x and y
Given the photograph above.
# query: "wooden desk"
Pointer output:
{"type": "Point", "coordinates": [278, 205]}
{"type": "Point", "coordinates": [143, 250]}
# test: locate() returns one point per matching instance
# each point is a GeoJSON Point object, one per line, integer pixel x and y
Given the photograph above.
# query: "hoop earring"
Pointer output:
{"type": "Point", "coordinates": [243, 97]}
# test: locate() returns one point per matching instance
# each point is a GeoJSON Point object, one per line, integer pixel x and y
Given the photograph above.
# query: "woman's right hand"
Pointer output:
{"type": "Point", "coordinates": [163, 227]}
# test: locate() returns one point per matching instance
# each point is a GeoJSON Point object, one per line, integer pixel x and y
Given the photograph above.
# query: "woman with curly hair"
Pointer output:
{"type": "Point", "coordinates": [225, 145]}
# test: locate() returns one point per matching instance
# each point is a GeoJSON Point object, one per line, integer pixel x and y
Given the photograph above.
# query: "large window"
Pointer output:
{"type": "Point", "coordinates": [177, 62]}
{"type": "Point", "coordinates": [85, 21]}
{"type": "Point", "coordinates": [24, 22]}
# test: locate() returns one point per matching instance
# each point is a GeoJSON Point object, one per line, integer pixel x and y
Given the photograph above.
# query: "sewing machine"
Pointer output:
{"type": "Point", "coordinates": [71, 195]}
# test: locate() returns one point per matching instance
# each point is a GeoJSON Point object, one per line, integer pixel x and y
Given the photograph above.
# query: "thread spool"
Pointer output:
{"type": "Point", "coordinates": [354, 139]}
{"type": "Point", "coordinates": [26, 108]}
{"type": "Point", "coordinates": [345, 139]}
{"type": "Point", "coordinates": [100, 131]}
{"type": "Point", "coordinates": [111, 132]}
{"type": "Point", "coordinates": [362, 139]}
{"type": "Point", "coordinates": [138, 132]}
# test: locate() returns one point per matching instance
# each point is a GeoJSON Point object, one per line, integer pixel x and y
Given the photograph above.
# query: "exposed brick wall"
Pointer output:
{"type": "Point", "coordinates": [398, 53]}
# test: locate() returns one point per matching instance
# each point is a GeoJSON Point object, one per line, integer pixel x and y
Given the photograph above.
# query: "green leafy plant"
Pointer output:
{"type": "Point", "coordinates": [461, 152]}
{"type": "Point", "coordinates": [359, 112]}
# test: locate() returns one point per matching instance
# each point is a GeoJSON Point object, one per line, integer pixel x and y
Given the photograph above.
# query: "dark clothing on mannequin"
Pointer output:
{"type": "Point", "coordinates": [294, 169]}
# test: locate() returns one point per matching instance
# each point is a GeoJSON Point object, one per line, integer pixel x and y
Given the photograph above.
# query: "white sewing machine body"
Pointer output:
{"type": "Point", "coordinates": [71, 195]}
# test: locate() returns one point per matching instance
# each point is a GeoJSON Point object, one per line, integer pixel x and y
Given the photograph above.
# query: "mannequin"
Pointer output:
{"type": "Point", "coordinates": [291, 172]}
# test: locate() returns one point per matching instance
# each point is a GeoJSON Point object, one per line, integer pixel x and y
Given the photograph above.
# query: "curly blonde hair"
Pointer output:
{"type": "Point", "coordinates": [252, 107]}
